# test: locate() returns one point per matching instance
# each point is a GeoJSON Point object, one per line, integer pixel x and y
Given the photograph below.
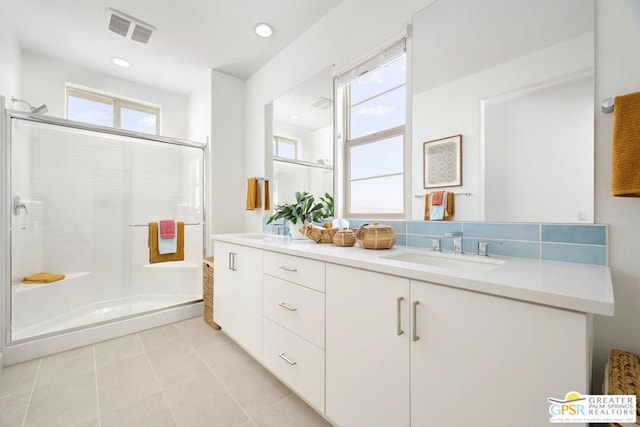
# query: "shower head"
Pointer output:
{"type": "Point", "coordinates": [40, 110]}
{"type": "Point", "coordinates": [35, 110]}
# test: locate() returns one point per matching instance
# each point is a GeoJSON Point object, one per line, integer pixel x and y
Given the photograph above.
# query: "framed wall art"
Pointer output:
{"type": "Point", "coordinates": [443, 162]}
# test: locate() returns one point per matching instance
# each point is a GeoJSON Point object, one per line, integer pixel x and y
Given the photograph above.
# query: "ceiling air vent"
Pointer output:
{"type": "Point", "coordinates": [322, 103]}
{"type": "Point", "coordinates": [127, 26]}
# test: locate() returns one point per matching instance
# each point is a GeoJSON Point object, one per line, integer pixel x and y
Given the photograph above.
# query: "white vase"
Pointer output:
{"type": "Point", "coordinates": [294, 230]}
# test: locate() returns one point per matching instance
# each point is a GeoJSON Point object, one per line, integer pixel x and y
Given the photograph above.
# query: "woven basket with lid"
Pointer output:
{"type": "Point", "coordinates": [375, 236]}
{"type": "Point", "coordinates": [345, 237]}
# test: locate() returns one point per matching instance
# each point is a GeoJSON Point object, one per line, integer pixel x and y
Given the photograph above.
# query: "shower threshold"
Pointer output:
{"type": "Point", "coordinates": [103, 311]}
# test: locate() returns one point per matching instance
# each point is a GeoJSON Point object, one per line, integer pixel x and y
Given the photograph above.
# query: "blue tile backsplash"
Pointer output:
{"type": "Point", "coordinates": [579, 243]}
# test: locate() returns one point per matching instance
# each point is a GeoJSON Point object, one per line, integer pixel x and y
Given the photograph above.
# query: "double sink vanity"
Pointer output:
{"type": "Point", "coordinates": [410, 337]}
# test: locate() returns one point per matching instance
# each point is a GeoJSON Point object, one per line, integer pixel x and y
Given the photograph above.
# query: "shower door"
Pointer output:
{"type": "Point", "coordinates": [80, 201]}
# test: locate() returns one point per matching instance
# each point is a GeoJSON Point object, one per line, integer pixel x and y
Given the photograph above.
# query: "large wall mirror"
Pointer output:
{"type": "Point", "coordinates": [300, 147]}
{"type": "Point", "coordinates": [516, 79]}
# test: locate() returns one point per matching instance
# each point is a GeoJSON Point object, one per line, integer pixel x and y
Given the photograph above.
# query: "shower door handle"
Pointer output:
{"type": "Point", "coordinates": [17, 205]}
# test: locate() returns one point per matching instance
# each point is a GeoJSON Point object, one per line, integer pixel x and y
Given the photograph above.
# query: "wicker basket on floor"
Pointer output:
{"type": "Point", "coordinates": [207, 291]}
{"type": "Point", "coordinates": [624, 377]}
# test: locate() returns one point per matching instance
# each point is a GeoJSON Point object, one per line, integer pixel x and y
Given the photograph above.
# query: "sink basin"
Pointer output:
{"type": "Point", "coordinates": [450, 261]}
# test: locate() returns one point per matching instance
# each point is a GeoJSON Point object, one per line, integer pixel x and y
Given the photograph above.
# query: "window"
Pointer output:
{"type": "Point", "coordinates": [374, 119]}
{"type": "Point", "coordinates": [285, 147]}
{"type": "Point", "coordinates": [94, 108]}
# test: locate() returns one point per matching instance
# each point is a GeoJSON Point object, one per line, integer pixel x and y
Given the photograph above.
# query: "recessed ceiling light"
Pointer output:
{"type": "Point", "coordinates": [121, 62]}
{"type": "Point", "coordinates": [294, 117]}
{"type": "Point", "coordinates": [263, 30]}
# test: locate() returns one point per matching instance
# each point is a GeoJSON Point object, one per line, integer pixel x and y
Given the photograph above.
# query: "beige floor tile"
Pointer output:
{"type": "Point", "coordinates": [117, 349]}
{"type": "Point", "coordinates": [176, 362]}
{"type": "Point", "coordinates": [67, 402]}
{"type": "Point", "coordinates": [13, 408]}
{"type": "Point", "coordinates": [248, 424]}
{"type": "Point", "coordinates": [218, 350]}
{"type": "Point", "coordinates": [151, 411]}
{"type": "Point", "coordinates": [91, 423]}
{"type": "Point", "coordinates": [194, 328]}
{"type": "Point", "coordinates": [18, 377]}
{"type": "Point", "coordinates": [202, 401]}
{"type": "Point", "coordinates": [153, 339]}
{"type": "Point", "coordinates": [124, 381]}
{"type": "Point", "coordinates": [291, 412]}
{"type": "Point", "coordinates": [65, 364]}
{"type": "Point", "coordinates": [255, 389]}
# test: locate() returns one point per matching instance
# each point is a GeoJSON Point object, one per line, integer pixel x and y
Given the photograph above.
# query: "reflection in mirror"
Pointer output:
{"type": "Point", "coordinates": [303, 140]}
{"type": "Point", "coordinates": [515, 78]}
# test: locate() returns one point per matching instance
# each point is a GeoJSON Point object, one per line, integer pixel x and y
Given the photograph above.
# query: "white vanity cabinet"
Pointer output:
{"type": "Point", "coordinates": [486, 360]}
{"type": "Point", "coordinates": [237, 304]}
{"type": "Point", "coordinates": [294, 324]}
{"type": "Point", "coordinates": [367, 354]}
{"type": "Point", "coordinates": [410, 353]}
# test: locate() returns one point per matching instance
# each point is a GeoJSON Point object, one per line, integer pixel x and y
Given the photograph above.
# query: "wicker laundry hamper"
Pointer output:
{"type": "Point", "coordinates": [623, 377]}
{"type": "Point", "coordinates": [207, 291]}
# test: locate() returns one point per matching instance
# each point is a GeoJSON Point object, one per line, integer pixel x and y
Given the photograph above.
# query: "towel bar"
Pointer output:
{"type": "Point", "coordinates": [421, 196]}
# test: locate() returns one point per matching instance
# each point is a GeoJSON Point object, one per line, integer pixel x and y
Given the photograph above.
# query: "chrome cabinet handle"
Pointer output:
{"type": "Point", "coordinates": [399, 312]}
{"type": "Point", "coordinates": [232, 261]}
{"type": "Point", "coordinates": [287, 307]}
{"type": "Point", "coordinates": [286, 359]}
{"type": "Point", "coordinates": [285, 268]}
{"type": "Point", "coordinates": [229, 261]}
{"type": "Point", "coordinates": [415, 336]}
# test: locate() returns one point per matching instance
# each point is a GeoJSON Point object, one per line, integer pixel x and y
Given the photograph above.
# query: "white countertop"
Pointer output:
{"type": "Point", "coordinates": [579, 287]}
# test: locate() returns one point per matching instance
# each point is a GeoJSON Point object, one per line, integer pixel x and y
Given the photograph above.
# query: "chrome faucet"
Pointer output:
{"type": "Point", "coordinates": [483, 246]}
{"type": "Point", "coordinates": [435, 245]}
{"type": "Point", "coordinates": [456, 237]}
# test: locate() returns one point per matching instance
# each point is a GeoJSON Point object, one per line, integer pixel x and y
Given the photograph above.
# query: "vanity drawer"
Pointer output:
{"type": "Point", "coordinates": [295, 361]}
{"type": "Point", "coordinates": [303, 271]}
{"type": "Point", "coordinates": [299, 309]}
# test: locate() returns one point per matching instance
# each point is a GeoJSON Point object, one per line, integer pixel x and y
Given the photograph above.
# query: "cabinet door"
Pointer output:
{"type": "Point", "coordinates": [489, 361]}
{"type": "Point", "coordinates": [238, 294]}
{"type": "Point", "coordinates": [367, 368]}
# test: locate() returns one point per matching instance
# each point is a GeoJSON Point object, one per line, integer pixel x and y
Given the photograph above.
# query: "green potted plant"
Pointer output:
{"type": "Point", "coordinates": [304, 209]}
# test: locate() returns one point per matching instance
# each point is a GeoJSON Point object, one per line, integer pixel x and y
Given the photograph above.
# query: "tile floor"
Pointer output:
{"type": "Point", "coordinates": [182, 374]}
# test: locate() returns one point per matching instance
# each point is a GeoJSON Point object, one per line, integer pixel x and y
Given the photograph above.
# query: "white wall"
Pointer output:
{"type": "Point", "coordinates": [10, 59]}
{"type": "Point", "coordinates": [351, 31]}
{"type": "Point", "coordinates": [44, 80]}
{"type": "Point", "coordinates": [617, 71]}
{"type": "Point", "coordinates": [228, 180]}
{"type": "Point", "coordinates": [538, 155]}
{"type": "Point", "coordinates": [199, 112]}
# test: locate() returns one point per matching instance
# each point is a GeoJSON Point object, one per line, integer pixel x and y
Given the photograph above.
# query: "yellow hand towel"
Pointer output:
{"type": "Point", "coordinates": [448, 211]}
{"type": "Point", "coordinates": [154, 253]}
{"type": "Point", "coordinates": [43, 278]}
{"type": "Point", "coordinates": [253, 194]}
{"type": "Point", "coordinates": [625, 173]}
{"type": "Point", "coordinates": [267, 195]}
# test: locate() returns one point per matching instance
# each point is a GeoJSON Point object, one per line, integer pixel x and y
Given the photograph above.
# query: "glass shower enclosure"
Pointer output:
{"type": "Point", "coordinates": [80, 200]}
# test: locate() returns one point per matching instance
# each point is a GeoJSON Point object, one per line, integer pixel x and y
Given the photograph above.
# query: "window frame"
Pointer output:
{"type": "Point", "coordinates": [116, 102]}
{"type": "Point", "coordinates": [349, 143]}
{"type": "Point", "coordinates": [277, 139]}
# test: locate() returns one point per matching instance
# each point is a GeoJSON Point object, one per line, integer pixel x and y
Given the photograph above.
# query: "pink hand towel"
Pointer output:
{"type": "Point", "coordinates": [167, 229]}
{"type": "Point", "coordinates": [436, 198]}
